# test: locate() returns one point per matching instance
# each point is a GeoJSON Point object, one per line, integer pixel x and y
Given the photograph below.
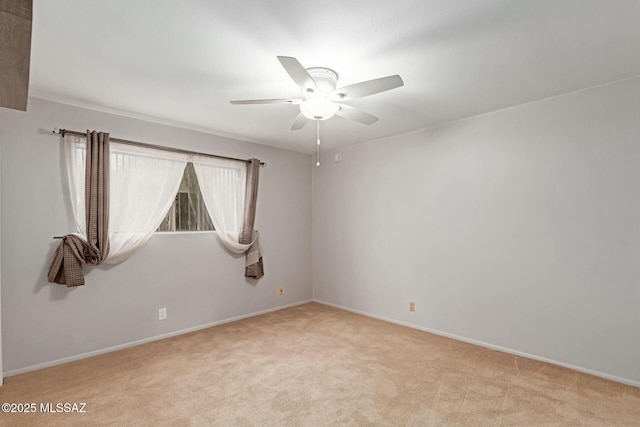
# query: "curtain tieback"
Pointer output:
{"type": "Point", "coordinates": [66, 264]}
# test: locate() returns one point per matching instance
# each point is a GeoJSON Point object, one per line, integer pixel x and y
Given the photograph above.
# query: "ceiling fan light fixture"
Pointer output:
{"type": "Point", "coordinates": [319, 108]}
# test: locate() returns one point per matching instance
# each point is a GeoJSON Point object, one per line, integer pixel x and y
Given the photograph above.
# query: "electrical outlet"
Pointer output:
{"type": "Point", "coordinates": [162, 313]}
{"type": "Point", "coordinates": [412, 306]}
{"type": "Point", "coordinates": [280, 291]}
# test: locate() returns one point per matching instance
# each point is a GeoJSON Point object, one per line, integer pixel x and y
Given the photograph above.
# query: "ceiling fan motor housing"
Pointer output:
{"type": "Point", "coordinates": [325, 78]}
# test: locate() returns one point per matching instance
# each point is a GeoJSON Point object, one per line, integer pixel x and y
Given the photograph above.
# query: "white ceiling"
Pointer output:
{"type": "Point", "coordinates": [181, 62]}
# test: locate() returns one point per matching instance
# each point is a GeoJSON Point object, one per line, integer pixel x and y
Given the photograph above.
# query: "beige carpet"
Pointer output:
{"type": "Point", "coordinates": [314, 365]}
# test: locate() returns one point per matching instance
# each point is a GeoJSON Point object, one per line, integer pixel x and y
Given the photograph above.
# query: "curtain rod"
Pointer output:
{"type": "Point", "coordinates": [144, 144]}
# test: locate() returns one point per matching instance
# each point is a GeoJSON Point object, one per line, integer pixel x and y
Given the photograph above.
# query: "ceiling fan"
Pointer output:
{"type": "Point", "coordinates": [321, 98]}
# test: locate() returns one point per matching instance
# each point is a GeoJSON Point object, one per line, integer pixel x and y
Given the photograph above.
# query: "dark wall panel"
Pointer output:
{"type": "Point", "coordinates": [15, 52]}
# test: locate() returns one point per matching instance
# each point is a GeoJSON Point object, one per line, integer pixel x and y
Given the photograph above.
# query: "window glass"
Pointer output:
{"type": "Point", "coordinates": [188, 212]}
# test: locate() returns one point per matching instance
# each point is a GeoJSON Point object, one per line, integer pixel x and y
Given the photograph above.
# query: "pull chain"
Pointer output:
{"type": "Point", "coordinates": [318, 144]}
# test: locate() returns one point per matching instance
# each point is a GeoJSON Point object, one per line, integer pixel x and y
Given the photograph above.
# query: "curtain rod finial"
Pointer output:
{"type": "Point", "coordinates": [56, 130]}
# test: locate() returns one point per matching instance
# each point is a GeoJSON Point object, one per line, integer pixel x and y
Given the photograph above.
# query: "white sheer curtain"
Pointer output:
{"type": "Point", "coordinates": [222, 184]}
{"type": "Point", "coordinates": [144, 183]}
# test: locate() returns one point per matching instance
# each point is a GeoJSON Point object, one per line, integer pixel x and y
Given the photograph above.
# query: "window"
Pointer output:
{"type": "Point", "coordinates": [188, 212]}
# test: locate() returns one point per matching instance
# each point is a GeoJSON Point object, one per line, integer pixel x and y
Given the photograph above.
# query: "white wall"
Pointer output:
{"type": "Point", "coordinates": [197, 280]}
{"type": "Point", "coordinates": [517, 229]}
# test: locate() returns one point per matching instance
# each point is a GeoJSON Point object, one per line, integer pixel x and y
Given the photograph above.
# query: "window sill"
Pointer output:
{"type": "Point", "coordinates": [182, 233]}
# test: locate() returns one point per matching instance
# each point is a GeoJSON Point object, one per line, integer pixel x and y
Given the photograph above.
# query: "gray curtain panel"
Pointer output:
{"type": "Point", "coordinates": [66, 264]}
{"type": "Point", "coordinates": [255, 270]}
{"type": "Point", "coordinates": [96, 190]}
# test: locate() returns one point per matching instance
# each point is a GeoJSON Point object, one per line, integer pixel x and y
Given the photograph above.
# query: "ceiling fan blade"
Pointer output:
{"type": "Point", "coordinates": [299, 122]}
{"type": "Point", "coordinates": [355, 114]}
{"type": "Point", "coordinates": [359, 90]}
{"type": "Point", "coordinates": [266, 101]}
{"type": "Point", "coordinates": [299, 74]}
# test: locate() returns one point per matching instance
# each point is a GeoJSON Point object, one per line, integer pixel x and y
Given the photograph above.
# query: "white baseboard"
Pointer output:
{"type": "Point", "coordinates": [146, 340]}
{"type": "Point", "coordinates": [486, 345]}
